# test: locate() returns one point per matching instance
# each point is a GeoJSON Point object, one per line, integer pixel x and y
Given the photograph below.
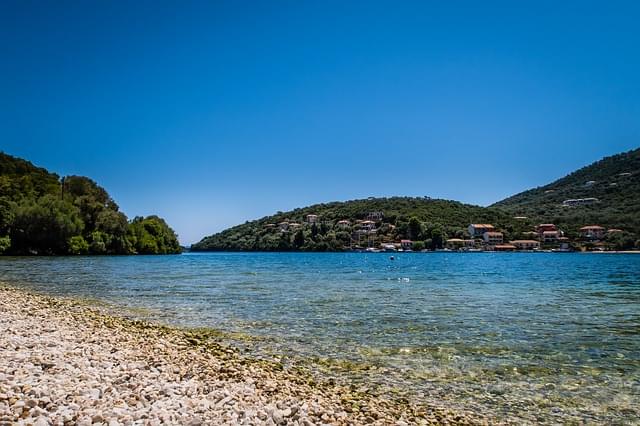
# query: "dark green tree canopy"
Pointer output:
{"type": "Point", "coordinates": [42, 214]}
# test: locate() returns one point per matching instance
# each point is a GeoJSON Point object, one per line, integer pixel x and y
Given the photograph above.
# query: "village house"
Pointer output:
{"type": "Point", "coordinates": [550, 236]}
{"type": "Point", "coordinates": [367, 224]}
{"type": "Point", "coordinates": [614, 231]}
{"type": "Point", "coordinates": [477, 230]}
{"type": "Point", "coordinates": [344, 224]}
{"type": "Point", "coordinates": [454, 243]}
{"type": "Point", "coordinates": [294, 225]}
{"type": "Point", "coordinates": [592, 232]}
{"type": "Point", "coordinates": [377, 216]}
{"type": "Point", "coordinates": [544, 227]}
{"type": "Point", "coordinates": [312, 218]}
{"type": "Point", "coordinates": [270, 225]}
{"type": "Point", "coordinates": [406, 244]}
{"type": "Point", "coordinates": [493, 237]}
{"type": "Point", "coordinates": [284, 226]}
{"type": "Point", "coordinates": [526, 244]}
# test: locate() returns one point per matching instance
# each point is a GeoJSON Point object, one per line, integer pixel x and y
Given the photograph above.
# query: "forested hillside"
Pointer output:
{"type": "Point", "coordinates": [615, 183]}
{"type": "Point", "coordinates": [426, 221]}
{"type": "Point", "coordinates": [43, 214]}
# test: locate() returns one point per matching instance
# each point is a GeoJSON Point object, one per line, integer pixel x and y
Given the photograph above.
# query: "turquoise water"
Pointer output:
{"type": "Point", "coordinates": [532, 337]}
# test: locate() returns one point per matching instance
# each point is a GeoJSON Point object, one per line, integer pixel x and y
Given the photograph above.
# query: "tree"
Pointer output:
{"type": "Point", "coordinates": [78, 245]}
{"type": "Point", "coordinates": [45, 226]}
{"type": "Point", "coordinates": [298, 240]}
{"type": "Point", "coordinates": [415, 228]}
{"type": "Point", "coordinates": [5, 244]}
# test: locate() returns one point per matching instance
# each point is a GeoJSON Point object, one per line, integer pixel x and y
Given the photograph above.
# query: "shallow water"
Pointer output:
{"type": "Point", "coordinates": [534, 337]}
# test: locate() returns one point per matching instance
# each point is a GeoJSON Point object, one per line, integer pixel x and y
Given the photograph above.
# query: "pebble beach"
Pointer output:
{"type": "Point", "coordinates": [66, 362]}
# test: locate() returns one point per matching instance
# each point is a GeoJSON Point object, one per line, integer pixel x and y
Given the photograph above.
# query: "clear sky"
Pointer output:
{"type": "Point", "coordinates": [213, 113]}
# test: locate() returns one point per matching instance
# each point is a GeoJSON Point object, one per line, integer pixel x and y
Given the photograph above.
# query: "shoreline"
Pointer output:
{"type": "Point", "coordinates": [64, 361]}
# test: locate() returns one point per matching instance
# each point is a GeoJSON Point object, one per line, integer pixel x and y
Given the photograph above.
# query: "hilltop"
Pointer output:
{"type": "Point", "coordinates": [606, 193]}
{"type": "Point", "coordinates": [342, 225]}
{"type": "Point", "coordinates": [611, 188]}
{"type": "Point", "coordinates": [40, 213]}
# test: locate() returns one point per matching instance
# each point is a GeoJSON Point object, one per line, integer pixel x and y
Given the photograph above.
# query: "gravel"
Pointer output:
{"type": "Point", "coordinates": [64, 362]}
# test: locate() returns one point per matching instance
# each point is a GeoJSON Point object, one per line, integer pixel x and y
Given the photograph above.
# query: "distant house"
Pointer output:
{"type": "Point", "coordinates": [550, 236]}
{"type": "Point", "coordinates": [294, 225]}
{"type": "Point", "coordinates": [270, 225]}
{"type": "Point", "coordinates": [590, 183]}
{"type": "Point", "coordinates": [579, 201]}
{"type": "Point", "coordinates": [526, 244]}
{"type": "Point", "coordinates": [377, 216]}
{"type": "Point", "coordinates": [477, 230]}
{"type": "Point", "coordinates": [454, 243]}
{"type": "Point", "coordinates": [592, 232]}
{"type": "Point", "coordinates": [504, 247]}
{"type": "Point", "coordinates": [543, 227]}
{"type": "Point", "coordinates": [312, 218]}
{"type": "Point", "coordinates": [367, 224]}
{"type": "Point", "coordinates": [493, 237]}
{"type": "Point", "coordinates": [344, 223]}
{"type": "Point", "coordinates": [614, 231]}
{"type": "Point", "coordinates": [284, 226]}
{"type": "Point", "coordinates": [520, 217]}
{"type": "Point", "coordinates": [406, 244]}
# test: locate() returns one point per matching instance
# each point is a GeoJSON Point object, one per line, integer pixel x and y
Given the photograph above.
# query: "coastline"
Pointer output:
{"type": "Point", "coordinates": [63, 361]}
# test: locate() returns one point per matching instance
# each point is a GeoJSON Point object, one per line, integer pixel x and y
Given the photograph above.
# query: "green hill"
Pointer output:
{"type": "Point", "coordinates": [43, 214]}
{"type": "Point", "coordinates": [418, 219]}
{"type": "Point", "coordinates": [615, 183]}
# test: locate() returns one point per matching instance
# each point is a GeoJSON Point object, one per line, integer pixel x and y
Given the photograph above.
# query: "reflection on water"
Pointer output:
{"type": "Point", "coordinates": [541, 337]}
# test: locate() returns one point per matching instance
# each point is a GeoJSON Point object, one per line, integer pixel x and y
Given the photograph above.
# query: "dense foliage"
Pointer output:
{"type": "Point", "coordinates": [426, 221]}
{"type": "Point", "coordinates": [614, 181]}
{"type": "Point", "coordinates": [41, 214]}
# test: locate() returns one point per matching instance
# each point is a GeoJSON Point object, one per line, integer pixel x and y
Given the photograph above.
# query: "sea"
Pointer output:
{"type": "Point", "coordinates": [519, 337]}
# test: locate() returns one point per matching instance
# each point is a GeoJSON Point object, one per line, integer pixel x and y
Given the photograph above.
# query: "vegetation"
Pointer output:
{"type": "Point", "coordinates": [614, 181]}
{"type": "Point", "coordinates": [426, 221]}
{"type": "Point", "coordinates": [42, 214]}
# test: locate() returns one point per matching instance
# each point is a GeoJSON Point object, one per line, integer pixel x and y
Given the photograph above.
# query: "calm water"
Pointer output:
{"type": "Point", "coordinates": [537, 337]}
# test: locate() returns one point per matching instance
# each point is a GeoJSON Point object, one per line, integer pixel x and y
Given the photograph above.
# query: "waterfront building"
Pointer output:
{"type": "Point", "coordinates": [477, 230]}
{"type": "Point", "coordinates": [526, 244]}
{"type": "Point", "coordinates": [592, 232]}
{"type": "Point", "coordinates": [493, 237]}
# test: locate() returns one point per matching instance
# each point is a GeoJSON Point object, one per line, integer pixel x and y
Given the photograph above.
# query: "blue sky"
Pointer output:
{"type": "Point", "coordinates": [213, 113]}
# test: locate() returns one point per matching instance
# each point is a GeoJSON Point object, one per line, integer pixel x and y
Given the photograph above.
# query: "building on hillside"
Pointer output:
{"type": "Point", "coordinates": [284, 226]}
{"type": "Point", "coordinates": [493, 238]}
{"type": "Point", "coordinates": [545, 227]}
{"type": "Point", "coordinates": [550, 236]}
{"type": "Point", "coordinates": [579, 201]}
{"type": "Point", "coordinates": [312, 218]}
{"type": "Point", "coordinates": [367, 224]}
{"type": "Point", "coordinates": [270, 225]}
{"type": "Point", "coordinates": [477, 230]}
{"type": "Point", "coordinates": [614, 231]}
{"type": "Point", "coordinates": [344, 224]}
{"type": "Point", "coordinates": [592, 232]}
{"type": "Point", "coordinates": [294, 225]}
{"type": "Point", "coordinates": [526, 244]}
{"type": "Point", "coordinates": [377, 216]}
{"type": "Point", "coordinates": [504, 247]}
{"type": "Point", "coordinates": [406, 244]}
